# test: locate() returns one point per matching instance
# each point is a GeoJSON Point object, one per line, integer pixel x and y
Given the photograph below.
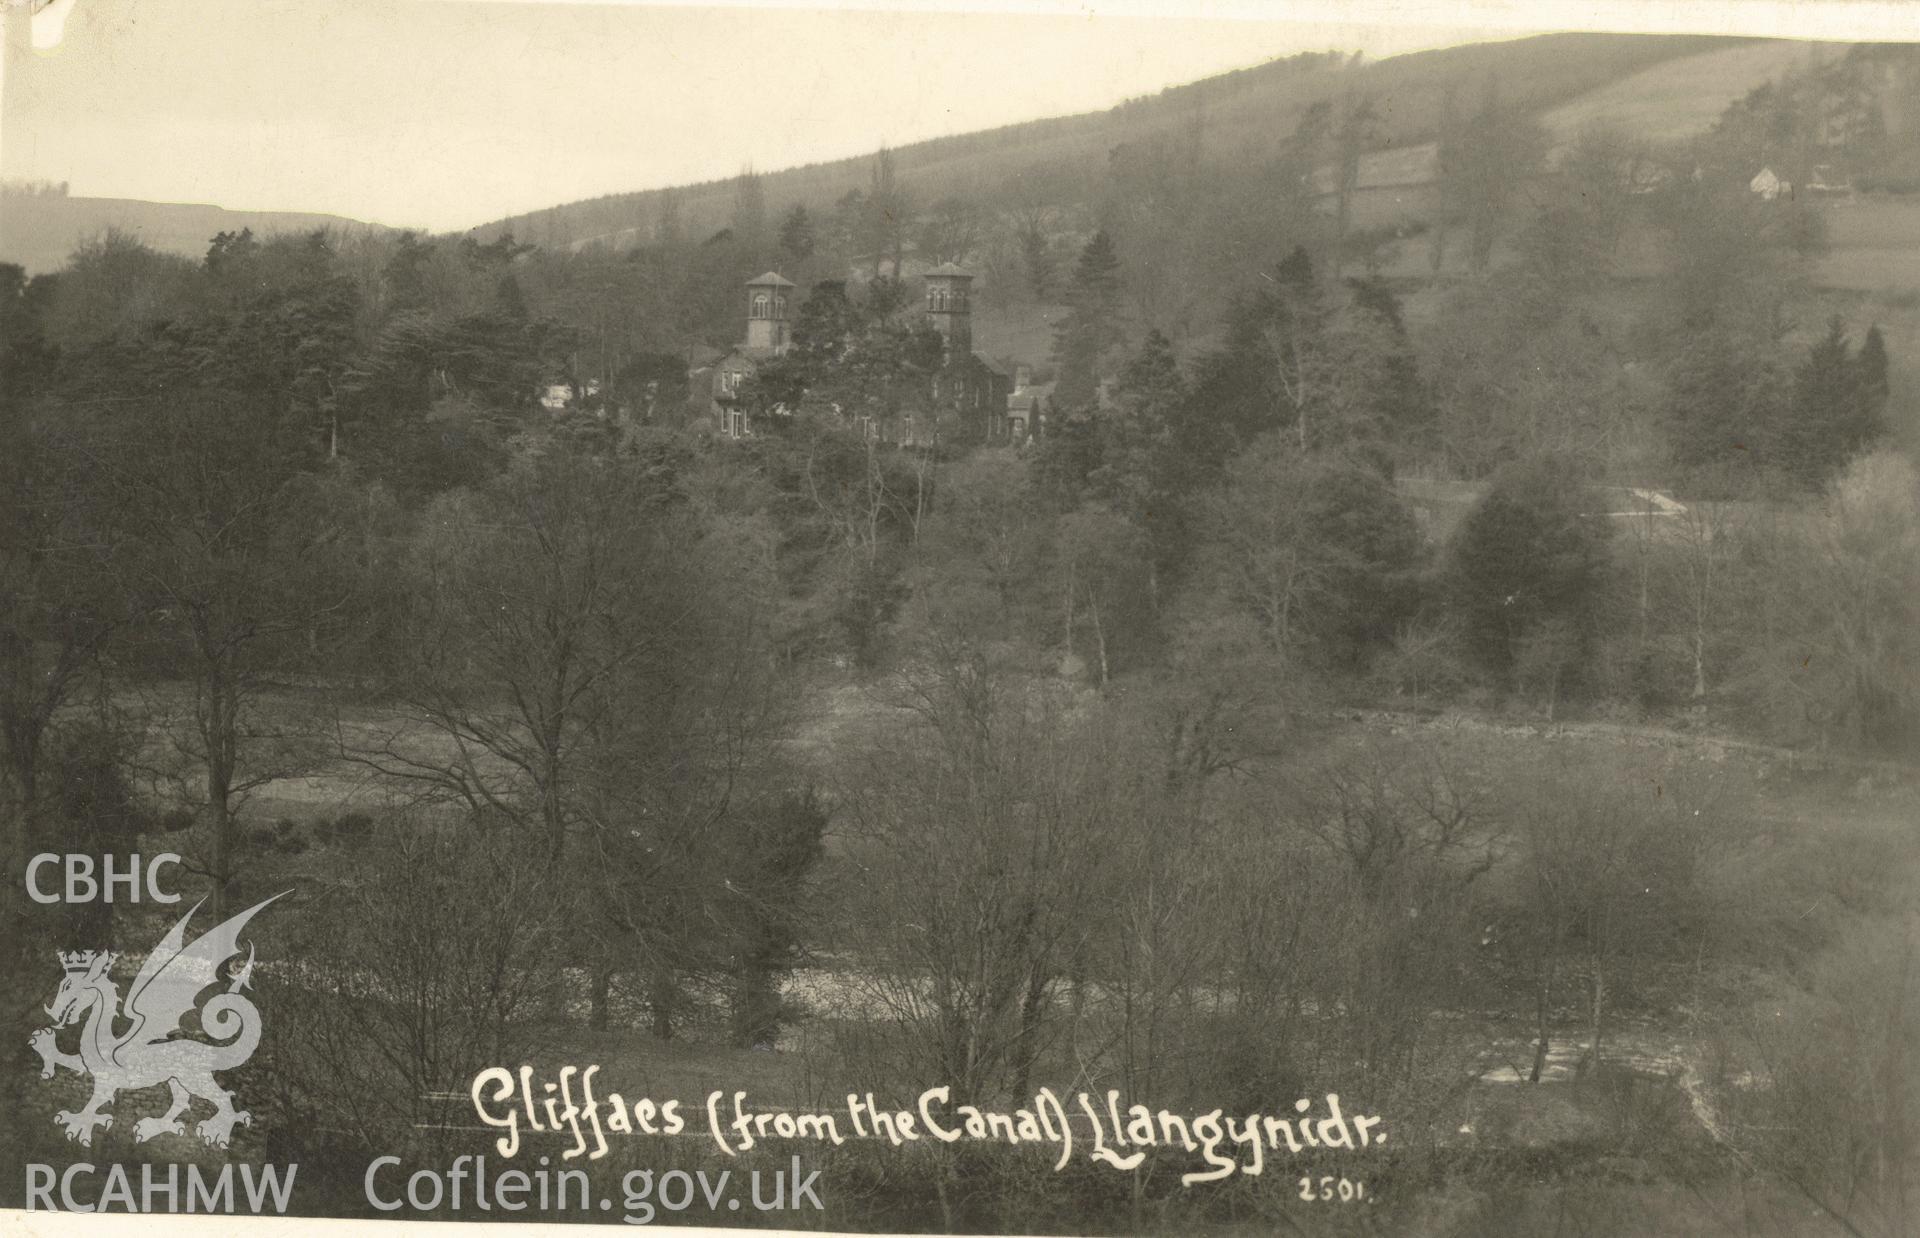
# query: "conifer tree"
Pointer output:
{"type": "Point", "coordinates": [1871, 365]}
{"type": "Point", "coordinates": [1836, 412]}
{"type": "Point", "coordinates": [1145, 472]}
{"type": "Point", "coordinates": [797, 239]}
{"type": "Point", "coordinates": [1091, 327]}
{"type": "Point", "coordinates": [1528, 559]}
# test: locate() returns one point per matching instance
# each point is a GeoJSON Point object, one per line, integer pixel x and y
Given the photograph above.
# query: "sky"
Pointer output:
{"type": "Point", "coordinates": [449, 113]}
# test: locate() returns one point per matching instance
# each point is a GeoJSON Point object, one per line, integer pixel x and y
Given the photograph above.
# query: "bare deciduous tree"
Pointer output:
{"type": "Point", "coordinates": [222, 535]}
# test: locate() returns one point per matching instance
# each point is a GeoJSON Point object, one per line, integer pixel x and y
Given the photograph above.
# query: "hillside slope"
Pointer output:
{"type": "Point", "coordinates": [1685, 95]}
{"type": "Point", "coordinates": [1672, 100]}
{"type": "Point", "coordinates": [1236, 116]}
{"type": "Point", "coordinates": [38, 232]}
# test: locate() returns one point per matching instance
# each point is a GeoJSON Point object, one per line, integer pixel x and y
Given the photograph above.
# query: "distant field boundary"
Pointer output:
{"type": "Point", "coordinates": [1642, 735]}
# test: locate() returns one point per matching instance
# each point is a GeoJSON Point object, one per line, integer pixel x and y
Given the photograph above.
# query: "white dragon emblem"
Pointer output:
{"type": "Point", "coordinates": [147, 1052]}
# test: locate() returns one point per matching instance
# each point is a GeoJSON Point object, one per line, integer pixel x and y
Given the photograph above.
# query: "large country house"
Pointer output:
{"type": "Point", "coordinates": [967, 387]}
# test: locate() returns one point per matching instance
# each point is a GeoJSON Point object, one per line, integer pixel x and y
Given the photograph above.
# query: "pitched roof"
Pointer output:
{"type": "Point", "coordinates": [771, 279]}
{"type": "Point", "coordinates": [951, 268]}
{"type": "Point", "coordinates": [1029, 399]}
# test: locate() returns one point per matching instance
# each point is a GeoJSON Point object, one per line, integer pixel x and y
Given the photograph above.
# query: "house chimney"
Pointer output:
{"type": "Point", "coordinates": [1022, 377]}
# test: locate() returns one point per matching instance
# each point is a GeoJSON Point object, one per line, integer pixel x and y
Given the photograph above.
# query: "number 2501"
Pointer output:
{"type": "Point", "coordinates": [1332, 1188]}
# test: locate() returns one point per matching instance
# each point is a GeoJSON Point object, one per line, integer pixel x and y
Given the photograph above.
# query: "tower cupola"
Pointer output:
{"type": "Point", "coordinates": [767, 325]}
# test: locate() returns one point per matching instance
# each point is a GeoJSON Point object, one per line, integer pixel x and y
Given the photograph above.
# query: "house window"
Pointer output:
{"type": "Point", "coordinates": [779, 307]}
{"type": "Point", "coordinates": [730, 382]}
{"type": "Point", "coordinates": [760, 305]}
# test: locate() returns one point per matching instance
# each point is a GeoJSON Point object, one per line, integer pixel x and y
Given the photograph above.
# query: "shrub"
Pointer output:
{"type": "Point", "coordinates": [353, 825]}
{"type": "Point", "coordinates": [1836, 659]}
{"type": "Point", "coordinates": [1526, 572]}
{"type": "Point", "coordinates": [172, 821]}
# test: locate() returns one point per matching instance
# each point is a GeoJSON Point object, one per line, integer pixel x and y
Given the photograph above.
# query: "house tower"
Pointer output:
{"type": "Point", "coordinates": [767, 297]}
{"type": "Point", "coordinates": [948, 292]}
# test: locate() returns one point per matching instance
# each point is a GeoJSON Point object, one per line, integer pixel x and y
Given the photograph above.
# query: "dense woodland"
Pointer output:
{"type": "Point", "coordinates": [1066, 763]}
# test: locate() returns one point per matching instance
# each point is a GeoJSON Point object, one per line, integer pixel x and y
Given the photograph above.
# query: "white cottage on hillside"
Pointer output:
{"type": "Point", "coordinates": [1770, 186]}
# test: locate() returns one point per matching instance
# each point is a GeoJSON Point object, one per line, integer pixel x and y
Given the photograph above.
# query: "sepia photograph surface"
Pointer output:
{"type": "Point", "coordinates": [1004, 619]}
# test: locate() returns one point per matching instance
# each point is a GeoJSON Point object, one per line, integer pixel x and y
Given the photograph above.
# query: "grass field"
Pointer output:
{"type": "Point", "coordinates": [1679, 98]}
{"type": "Point", "coordinates": [1876, 249]}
